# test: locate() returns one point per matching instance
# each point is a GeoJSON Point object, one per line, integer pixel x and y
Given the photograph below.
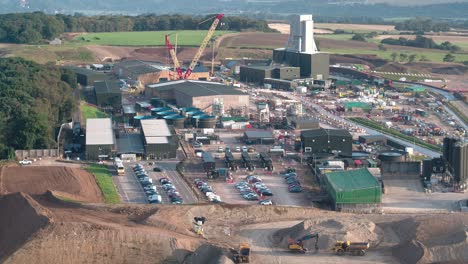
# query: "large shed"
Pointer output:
{"type": "Point", "coordinates": [352, 188]}
{"type": "Point", "coordinates": [86, 77]}
{"type": "Point", "coordinates": [108, 94]}
{"type": "Point", "coordinates": [159, 139]}
{"type": "Point", "coordinates": [326, 141]}
{"type": "Point", "coordinates": [100, 139]}
{"type": "Point", "coordinates": [258, 137]}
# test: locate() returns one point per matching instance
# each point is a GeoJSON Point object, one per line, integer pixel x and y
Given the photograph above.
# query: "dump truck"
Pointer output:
{"type": "Point", "coordinates": [354, 248]}
{"type": "Point", "coordinates": [243, 254]}
{"type": "Point", "coordinates": [230, 161]}
{"type": "Point", "coordinates": [297, 246]}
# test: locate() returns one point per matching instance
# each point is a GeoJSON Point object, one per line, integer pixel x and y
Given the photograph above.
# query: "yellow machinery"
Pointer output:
{"type": "Point", "coordinates": [354, 248]}
{"type": "Point", "coordinates": [243, 254]}
{"type": "Point", "coordinates": [296, 245]}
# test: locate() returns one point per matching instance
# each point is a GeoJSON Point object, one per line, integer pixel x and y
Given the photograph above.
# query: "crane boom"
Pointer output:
{"type": "Point", "coordinates": [203, 45]}
{"type": "Point", "coordinates": [171, 50]}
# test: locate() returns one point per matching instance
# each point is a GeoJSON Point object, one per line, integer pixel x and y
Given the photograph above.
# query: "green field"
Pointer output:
{"type": "Point", "coordinates": [188, 38]}
{"type": "Point", "coordinates": [336, 36]}
{"type": "Point", "coordinates": [88, 111]}
{"type": "Point", "coordinates": [104, 180]}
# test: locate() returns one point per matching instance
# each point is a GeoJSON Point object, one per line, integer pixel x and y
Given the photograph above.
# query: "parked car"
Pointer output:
{"type": "Point", "coordinates": [266, 192]}
{"type": "Point", "coordinates": [251, 149]}
{"type": "Point", "coordinates": [220, 149]}
{"type": "Point", "coordinates": [151, 192]}
{"type": "Point", "coordinates": [265, 202]}
{"type": "Point", "coordinates": [295, 189]}
{"type": "Point", "coordinates": [154, 198]}
{"type": "Point", "coordinates": [149, 187]}
{"type": "Point", "coordinates": [238, 149]}
{"type": "Point", "coordinates": [168, 186]}
{"type": "Point", "coordinates": [165, 181]}
{"type": "Point", "coordinates": [244, 149]}
{"type": "Point", "coordinates": [25, 162]}
{"type": "Point", "coordinates": [157, 169]}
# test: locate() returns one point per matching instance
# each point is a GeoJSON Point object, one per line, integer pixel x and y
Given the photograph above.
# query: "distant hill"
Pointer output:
{"type": "Point", "coordinates": [370, 8]}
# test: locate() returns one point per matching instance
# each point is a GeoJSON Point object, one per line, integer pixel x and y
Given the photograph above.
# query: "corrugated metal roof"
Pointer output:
{"type": "Point", "coordinates": [324, 132]}
{"type": "Point", "coordinates": [107, 87]}
{"type": "Point", "coordinates": [99, 131]}
{"type": "Point", "coordinates": [258, 134]}
{"type": "Point", "coordinates": [155, 128]}
{"type": "Point", "coordinates": [343, 181]}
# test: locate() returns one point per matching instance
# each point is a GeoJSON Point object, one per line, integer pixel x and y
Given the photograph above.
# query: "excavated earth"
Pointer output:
{"type": "Point", "coordinates": [37, 225]}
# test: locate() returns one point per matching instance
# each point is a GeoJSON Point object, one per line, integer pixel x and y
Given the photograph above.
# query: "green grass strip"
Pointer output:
{"type": "Point", "coordinates": [104, 180]}
{"type": "Point", "coordinates": [379, 127]}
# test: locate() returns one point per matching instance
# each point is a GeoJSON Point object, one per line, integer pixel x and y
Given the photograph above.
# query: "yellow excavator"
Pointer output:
{"type": "Point", "coordinates": [243, 254]}
{"type": "Point", "coordinates": [297, 246]}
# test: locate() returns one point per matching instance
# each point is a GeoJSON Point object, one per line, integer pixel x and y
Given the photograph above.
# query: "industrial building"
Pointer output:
{"type": "Point", "coordinates": [149, 72]}
{"type": "Point", "coordinates": [207, 96]}
{"type": "Point", "coordinates": [159, 139]}
{"type": "Point", "coordinates": [301, 50]}
{"type": "Point", "coordinates": [353, 189]}
{"type": "Point", "coordinates": [373, 139]}
{"type": "Point", "coordinates": [86, 77]}
{"type": "Point", "coordinates": [326, 141]}
{"type": "Point", "coordinates": [100, 139]}
{"type": "Point", "coordinates": [258, 137]}
{"type": "Point", "coordinates": [108, 93]}
{"type": "Point", "coordinates": [303, 123]}
{"type": "Point", "coordinates": [456, 155]}
{"type": "Point", "coordinates": [144, 72]}
{"type": "Point", "coordinates": [257, 74]}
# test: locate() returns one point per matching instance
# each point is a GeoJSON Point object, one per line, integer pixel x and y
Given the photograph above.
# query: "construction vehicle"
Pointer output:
{"type": "Point", "coordinates": [174, 58]}
{"type": "Point", "coordinates": [243, 254]}
{"type": "Point", "coordinates": [354, 248]}
{"type": "Point", "coordinates": [203, 46]}
{"type": "Point", "coordinates": [199, 53]}
{"type": "Point", "coordinates": [297, 246]}
{"type": "Point", "coordinates": [198, 223]}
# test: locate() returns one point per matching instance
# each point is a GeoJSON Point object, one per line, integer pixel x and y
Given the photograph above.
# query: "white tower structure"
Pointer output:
{"type": "Point", "coordinates": [301, 37]}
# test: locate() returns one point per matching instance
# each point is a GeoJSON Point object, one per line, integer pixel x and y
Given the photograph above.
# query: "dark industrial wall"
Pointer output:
{"type": "Point", "coordinates": [401, 170]}
{"type": "Point", "coordinates": [312, 65]}
{"type": "Point", "coordinates": [160, 151]}
{"type": "Point", "coordinates": [286, 73]}
{"type": "Point", "coordinates": [109, 99]}
{"type": "Point", "coordinates": [93, 151]}
{"type": "Point", "coordinates": [254, 75]}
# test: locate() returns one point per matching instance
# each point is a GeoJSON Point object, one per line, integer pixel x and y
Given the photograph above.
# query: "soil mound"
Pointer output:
{"type": "Point", "coordinates": [72, 183]}
{"type": "Point", "coordinates": [208, 254]}
{"type": "Point", "coordinates": [441, 239]}
{"type": "Point", "coordinates": [330, 231]}
{"type": "Point", "coordinates": [20, 218]}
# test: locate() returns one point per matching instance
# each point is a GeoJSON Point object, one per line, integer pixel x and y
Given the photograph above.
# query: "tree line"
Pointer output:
{"type": "Point", "coordinates": [34, 99]}
{"type": "Point", "coordinates": [34, 28]}
{"type": "Point", "coordinates": [422, 25]}
{"type": "Point", "coordinates": [421, 42]}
